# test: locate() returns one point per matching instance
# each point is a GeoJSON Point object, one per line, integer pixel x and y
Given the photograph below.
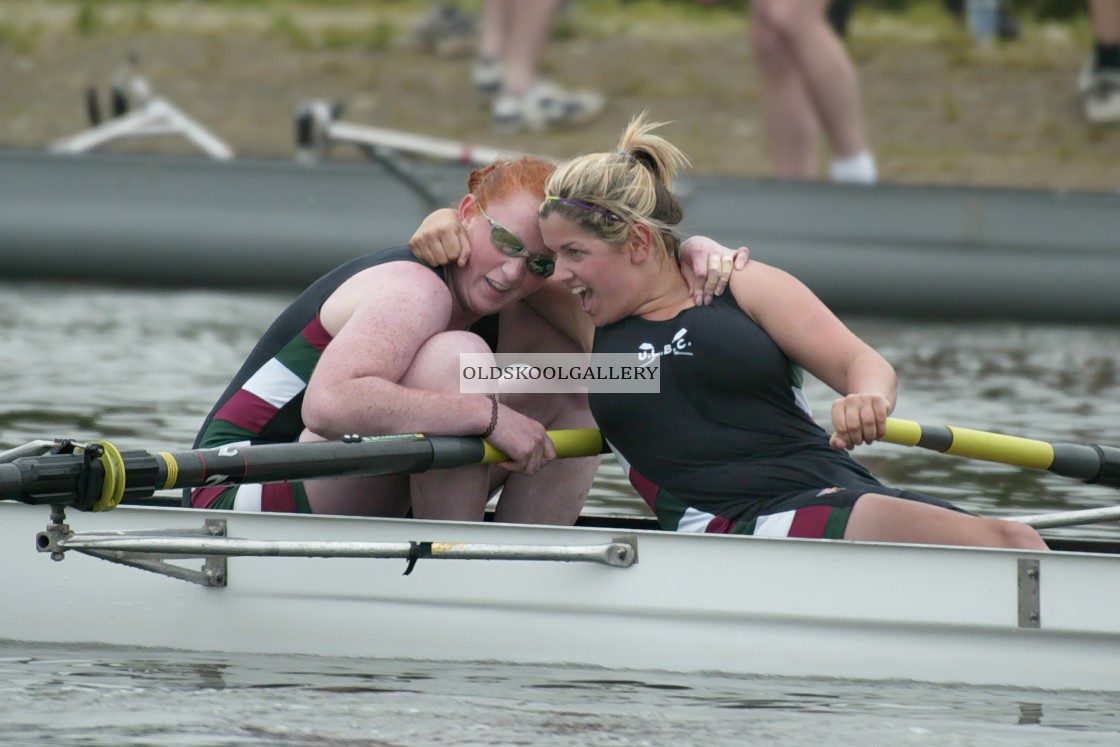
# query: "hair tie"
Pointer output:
{"type": "Point", "coordinates": [601, 211]}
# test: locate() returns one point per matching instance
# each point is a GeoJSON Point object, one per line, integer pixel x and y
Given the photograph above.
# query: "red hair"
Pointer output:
{"type": "Point", "coordinates": [502, 179]}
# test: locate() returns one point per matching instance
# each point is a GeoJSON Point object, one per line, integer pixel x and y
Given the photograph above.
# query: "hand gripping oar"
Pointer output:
{"type": "Point", "coordinates": [97, 476]}
{"type": "Point", "coordinates": [1087, 462]}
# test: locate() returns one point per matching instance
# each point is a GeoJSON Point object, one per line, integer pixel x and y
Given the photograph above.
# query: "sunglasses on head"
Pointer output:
{"type": "Point", "coordinates": [508, 244]}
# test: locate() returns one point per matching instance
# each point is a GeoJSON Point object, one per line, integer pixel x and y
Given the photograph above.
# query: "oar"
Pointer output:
{"type": "Point", "coordinates": [99, 476]}
{"type": "Point", "coordinates": [1070, 518]}
{"type": "Point", "coordinates": [1088, 462]}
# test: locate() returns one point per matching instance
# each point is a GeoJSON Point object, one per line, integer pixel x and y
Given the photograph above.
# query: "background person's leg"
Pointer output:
{"type": "Point", "coordinates": [526, 101]}
{"type": "Point", "coordinates": [1102, 94]}
{"type": "Point", "coordinates": [788, 116]}
{"type": "Point", "coordinates": [831, 81]}
{"type": "Point", "coordinates": [489, 67]}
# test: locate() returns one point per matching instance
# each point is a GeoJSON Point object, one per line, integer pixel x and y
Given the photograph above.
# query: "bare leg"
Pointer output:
{"type": "Point", "coordinates": [882, 518]}
{"type": "Point", "coordinates": [530, 26]}
{"type": "Point", "coordinates": [1100, 84]}
{"type": "Point", "coordinates": [555, 494]}
{"type": "Point", "coordinates": [446, 494]}
{"type": "Point", "coordinates": [449, 494]}
{"type": "Point", "coordinates": [357, 496]}
{"type": "Point", "coordinates": [787, 111]}
{"type": "Point", "coordinates": [831, 78]}
{"type": "Point", "coordinates": [825, 67]}
{"type": "Point", "coordinates": [1105, 16]}
{"type": "Point", "coordinates": [496, 17]}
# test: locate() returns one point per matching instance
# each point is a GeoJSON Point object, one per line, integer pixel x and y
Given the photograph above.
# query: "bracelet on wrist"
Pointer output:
{"type": "Point", "coordinates": [493, 417]}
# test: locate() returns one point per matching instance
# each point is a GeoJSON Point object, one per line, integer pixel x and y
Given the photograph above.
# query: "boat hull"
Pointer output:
{"type": "Point", "coordinates": [691, 603]}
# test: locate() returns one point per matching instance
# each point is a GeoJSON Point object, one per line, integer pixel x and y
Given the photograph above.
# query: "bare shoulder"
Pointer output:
{"type": "Point", "coordinates": [755, 273]}
{"type": "Point", "coordinates": [775, 299]}
{"type": "Point", "coordinates": [756, 282]}
{"type": "Point", "coordinates": [393, 289]}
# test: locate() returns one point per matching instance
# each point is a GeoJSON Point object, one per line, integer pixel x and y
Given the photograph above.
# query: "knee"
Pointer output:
{"type": "Point", "coordinates": [436, 365]}
{"type": "Point", "coordinates": [780, 19]}
{"type": "Point", "coordinates": [764, 33]}
{"type": "Point", "coordinates": [1014, 534]}
{"type": "Point", "coordinates": [765, 44]}
{"type": "Point", "coordinates": [776, 28]}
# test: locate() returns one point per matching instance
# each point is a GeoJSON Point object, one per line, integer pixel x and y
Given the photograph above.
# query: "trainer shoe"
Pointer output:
{"type": "Point", "coordinates": [1085, 78]}
{"type": "Point", "coordinates": [448, 31]}
{"type": "Point", "coordinates": [1102, 101]}
{"type": "Point", "coordinates": [546, 106]}
{"type": "Point", "coordinates": [487, 77]}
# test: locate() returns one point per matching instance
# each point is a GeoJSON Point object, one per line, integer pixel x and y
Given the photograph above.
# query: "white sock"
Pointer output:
{"type": "Point", "coordinates": [857, 169]}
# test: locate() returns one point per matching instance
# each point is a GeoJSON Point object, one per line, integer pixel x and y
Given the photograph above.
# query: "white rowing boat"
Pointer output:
{"type": "Point", "coordinates": [619, 595]}
{"type": "Point", "coordinates": [567, 595]}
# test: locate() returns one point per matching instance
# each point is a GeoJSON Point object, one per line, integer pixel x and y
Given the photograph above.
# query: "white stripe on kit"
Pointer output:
{"type": "Point", "coordinates": [248, 497]}
{"type": "Point", "coordinates": [694, 521]}
{"type": "Point", "coordinates": [774, 525]}
{"type": "Point", "coordinates": [275, 384]}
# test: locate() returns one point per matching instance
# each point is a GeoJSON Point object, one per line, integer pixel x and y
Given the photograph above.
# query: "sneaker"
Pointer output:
{"type": "Point", "coordinates": [1085, 78]}
{"type": "Point", "coordinates": [546, 106]}
{"type": "Point", "coordinates": [448, 31]}
{"type": "Point", "coordinates": [487, 77]}
{"type": "Point", "coordinates": [1102, 101]}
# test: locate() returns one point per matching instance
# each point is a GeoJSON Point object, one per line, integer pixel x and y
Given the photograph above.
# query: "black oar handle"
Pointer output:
{"type": "Point", "coordinates": [233, 465]}
{"type": "Point", "coordinates": [99, 477]}
{"type": "Point", "coordinates": [75, 480]}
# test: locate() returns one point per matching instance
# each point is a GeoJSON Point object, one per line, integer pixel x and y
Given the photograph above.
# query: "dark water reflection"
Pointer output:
{"type": "Point", "coordinates": [143, 367]}
{"type": "Point", "coordinates": [94, 696]}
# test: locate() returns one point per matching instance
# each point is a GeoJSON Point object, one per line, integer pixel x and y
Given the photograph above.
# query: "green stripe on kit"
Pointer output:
{"type": "Point", "coordinates": [837, 523]}
{"type": "Point", "coordinates": [222, 432]}
{"type": "Point", "coordinates": [299, 357]}
{"type": "Point", "coordinates": [669, 510]}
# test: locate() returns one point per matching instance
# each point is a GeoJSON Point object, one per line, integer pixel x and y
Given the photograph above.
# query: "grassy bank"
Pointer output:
{"type": "Point", "coordinates": [940, 108]}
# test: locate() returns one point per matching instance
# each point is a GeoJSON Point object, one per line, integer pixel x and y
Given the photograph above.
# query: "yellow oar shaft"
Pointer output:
{"type": "Point", "coordinates": [965, 442]}
{"type": "Point", "coordinates": [1091, 463]}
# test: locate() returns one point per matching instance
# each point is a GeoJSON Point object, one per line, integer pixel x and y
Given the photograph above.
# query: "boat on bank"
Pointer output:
{"type": "Point", "coordinates": [889, 250]}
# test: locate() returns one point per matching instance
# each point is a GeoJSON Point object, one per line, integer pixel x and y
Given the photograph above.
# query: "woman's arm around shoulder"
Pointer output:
{"type": "Point", "coordinates": [441, 239]}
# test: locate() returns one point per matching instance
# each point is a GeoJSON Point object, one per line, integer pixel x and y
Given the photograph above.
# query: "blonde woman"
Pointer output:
{"type": "Point", "coordinates": [729, 444]}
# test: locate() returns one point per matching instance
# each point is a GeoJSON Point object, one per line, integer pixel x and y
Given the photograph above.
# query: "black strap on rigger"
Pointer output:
{"type": "Point", "coordinates": [417, 550]}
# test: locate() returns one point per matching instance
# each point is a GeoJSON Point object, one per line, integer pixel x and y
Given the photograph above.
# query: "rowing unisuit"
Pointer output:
{"type": "Point", "coordinates": [729, 445]}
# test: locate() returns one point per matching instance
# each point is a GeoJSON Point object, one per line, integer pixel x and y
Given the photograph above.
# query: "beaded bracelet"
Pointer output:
{"type": "Point", "coordinates": [493, 418]}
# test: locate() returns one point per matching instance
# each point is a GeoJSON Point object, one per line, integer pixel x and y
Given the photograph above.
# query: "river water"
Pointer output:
{"type": "Point", "coordinates": [143, 367]}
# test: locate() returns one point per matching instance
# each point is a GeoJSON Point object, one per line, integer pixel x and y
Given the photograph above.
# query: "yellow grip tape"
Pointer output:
{"type": "Point", "coordinates": [172, 470]}
{"type": "Point", "coordinates": [902, 432]}
{"type": "Point", "coordinates": [575, 442]}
